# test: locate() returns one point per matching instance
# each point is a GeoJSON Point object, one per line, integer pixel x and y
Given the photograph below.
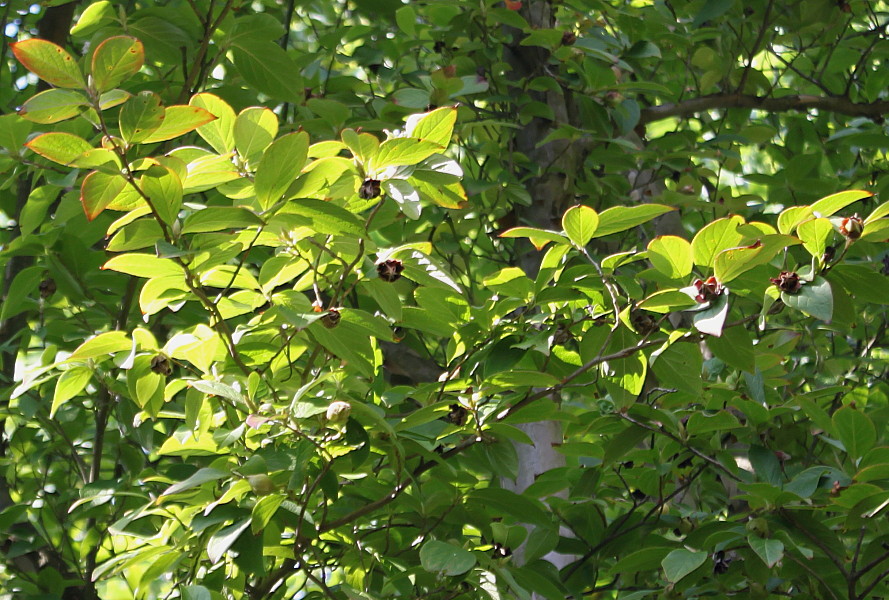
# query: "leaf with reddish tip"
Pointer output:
{"type": "Point", "coordinates": [97, 191]}
{"type": "Point", "coordinates": [52, 106]}
{"type": "Point", "coordinates": [179, 120]}
{"type": "Point", "coordinates": [115, 59]}
{"type": "Point", "coordinates": [49, 62]}
{"type": "Point", "coordinates": [62, 148]}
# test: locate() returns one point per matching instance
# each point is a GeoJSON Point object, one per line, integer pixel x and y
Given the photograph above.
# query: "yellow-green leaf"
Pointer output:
{"type": "Point", "coordinates": [52, 106]}
{"type": "Point", "coordinates": [49, 62]}
{"type": "Point", "coordinates": [115, 59]}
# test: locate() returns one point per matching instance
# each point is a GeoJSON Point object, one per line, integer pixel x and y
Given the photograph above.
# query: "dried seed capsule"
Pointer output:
{"type": "Point", "coordinates": [331, 319]}
{"type": "Point", "coordinates": [369, 189]}
{"type": "Point", "coordinates": [788, 282]}
{"type": "Point", "coordinates": [161, 365]}
{"type": "Point", "coordinates": [47, 288]}
{"type": "Point", "coordinates": [390, 270]}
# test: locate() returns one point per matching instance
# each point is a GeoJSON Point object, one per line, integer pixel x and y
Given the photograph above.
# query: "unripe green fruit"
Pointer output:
{"type": "Point", "coordinates": [758, 527]}
{"type": "Point", "coordinates": [262, 484]}
{"type": "Point", "coordinates": [338, 412]}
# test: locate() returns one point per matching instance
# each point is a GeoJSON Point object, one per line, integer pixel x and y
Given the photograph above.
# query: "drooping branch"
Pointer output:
{"type": "Point", "coordinates": [800, 102]}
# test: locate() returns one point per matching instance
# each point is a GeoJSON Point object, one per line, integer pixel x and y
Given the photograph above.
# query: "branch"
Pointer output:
{"type": "Point", "coordinates": [836, 104]}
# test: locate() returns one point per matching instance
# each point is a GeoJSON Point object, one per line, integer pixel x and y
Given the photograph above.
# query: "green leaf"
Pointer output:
{"type": "Point", "coordinates": [436, 126]}
{"type": "Point", "coordinates": [621, 218]}
{"type": "Point", "coordinates": [646, 559]}
{"type": "Point", "coordinates": [814, 234]}
{"type": "Point", "coordinates": [194, 592]}
{"type": "Point", "coordinates": [814, 298]}
{"type": "Point", "coordinates": [217, 388]}
{"type": "Point", "coordinates": [735, 348]}
{"type": "Point", "coordinates": [219, 218]}
{"type": "Point", "coordinates": [69, 384]}
{"type": "Point", "coordinates": [666, 301]}
{"type": "Point", "coordinates": [98, 158]}
{"type": "Point", "coordinates": [681, 562]}
{"type": "Point", "coordinates": [793, 216]}
{"type": "Point", "coordinates": [625, 377]}
{"type": "Point", "coordinates": [714, 238]}
{"type": "Point", "coordinates": [679, 367]}
{"type": "Point", "coordinates": [263, 511]}
{"type": "Point", "coordinates": [538, 237]}
{"type": "Point", "coordinates": [49, 62]}
{"type": "Point", "coordinates": [219, 133]}
{"type": "Point", "coordinates": [402, 151]}
{"type": "Point", "coordinates": [405, 195]}
{"type": "Point", "coordinates": [14, 132]}
{"type": "Point", "coordinates": [280, 164]}
{"type": "Point", "coordinates": [541, 541]}
{"type": "Point", "coordinates": [223, 539]}
{"type": "Point", "coordinates": [23, 285]}
{"type": "Point", "coordinates": [671, 255]}
{"type": "Point", "coordinates": [878, 213]}
{"type": "Point", "coordinates": [52, 106]}
{"type": "Point", "coordinates": [254, 129]}
{"type": "Point", "coordinates": [520, 379]}
{"type": "Point", "coordinates": [113, 98]}
{"type": "Point", "coordinates": [829, 205]}
{"type": "Point", "coordinates": [712, 9]}
{"type": "Point", "coordinates": [97, 192]}
{"type": "Point", "coordinates": [116, 59]}
{"type": "Point", "coordinates": [424, 269]}
{"type": "Point", "coordinates": [350, 343]}
{"type": "Point", "coordinates": [733, 262]}
{"type": "Point", "coordinates": [267, 67]}
{"type": "Point", "coordinates": [59, 147]}
{"type": "Point", "coordinates": [579, 223]}
{"type": "Point", "coordinates": [141, 116]}
{"type": "Point", "coordinates": [320, 217]}
{"type": "Point", "coordinates": [862, 282]}
{"type": "Point", "coordinates": [855, 430]}
{"type": "Point", "coordinates": [93, 17]}
{"type": "Point", "coordinates": [102, 345]}
{"type": "Point", "coordinates": [200, 477]}
{"type": "Point", "coordinates": [771, 551]}
{"type": "Point", "coordinates": [445, 559]}
{"type": "Point", "coordinates": [164, 189]}
{"type": "Point", "coordinates": [142, 233]}
{"type": "Point", "coordinates": [505, 502]}
{"type": "Point", "coordinates": [179, 120]}
{"type": "Point", "coordinates": [143, 265]}
{"type": "Point", "coordinates": [700, 423]}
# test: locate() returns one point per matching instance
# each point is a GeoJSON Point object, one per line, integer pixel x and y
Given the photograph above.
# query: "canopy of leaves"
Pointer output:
{"type": "Point", "coordinates": [285, 283]}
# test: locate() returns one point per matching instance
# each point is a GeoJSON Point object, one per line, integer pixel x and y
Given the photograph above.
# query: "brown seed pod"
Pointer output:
{"type": "Point", "coordinates": [47, 288]}
{"type": "Point", "coordinates": [788, 282]}
{"type": "Point", "coordinates": [707, 290]}
{"type": "Point", "coordinates": [369, 189]}
{"type": "Point", "coordinates": [568, 38]}
{"type": "Point", "coordinates": [456, 415]}
{"type": "Point", "coordinates": [331, 319]}
{"type": "Point", "coordinates": [390, 270]}
{"type": "Point", "coordinates": [161, 365]}
{"type": "Point", "coordinates": [643, 322]}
